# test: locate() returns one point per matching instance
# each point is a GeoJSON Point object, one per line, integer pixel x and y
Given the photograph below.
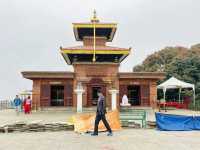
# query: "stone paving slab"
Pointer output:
{"type": "Point", "coordinates": [133, 139]}
{"type": "Point", "coordinates": [9, 116]}
{"type": "Point", "coordinates": [127, 139]}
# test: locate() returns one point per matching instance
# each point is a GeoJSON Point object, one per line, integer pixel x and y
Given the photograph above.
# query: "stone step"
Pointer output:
{"type": "Point", "coordinates": [54, 109]}
{"type": "Point", "coordinates": [66, 109]}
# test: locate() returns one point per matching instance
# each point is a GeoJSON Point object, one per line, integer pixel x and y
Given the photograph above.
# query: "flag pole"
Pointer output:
{"type": "Point", "coordinates": [94, 20]}
{"type": "Point", "coordinates": [94, 42]}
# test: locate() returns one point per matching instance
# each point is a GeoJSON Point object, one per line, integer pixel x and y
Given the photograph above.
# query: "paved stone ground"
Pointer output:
{"type": "Point", "coordinates": [133, 139]}
{"type": "Point", "coordinates": [9, 116]}
{"type": "Point", "coordinates": [127, 139]}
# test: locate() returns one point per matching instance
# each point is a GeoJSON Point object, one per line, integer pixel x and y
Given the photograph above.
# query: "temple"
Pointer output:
{"type": "Point", "coordinates": [96, 67]}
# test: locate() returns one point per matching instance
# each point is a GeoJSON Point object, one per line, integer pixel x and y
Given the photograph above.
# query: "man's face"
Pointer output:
{"type": "Point", "coordinates": [99, 94]}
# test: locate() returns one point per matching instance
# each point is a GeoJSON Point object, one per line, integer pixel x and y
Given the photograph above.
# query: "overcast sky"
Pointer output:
{"type": "Point", "coordinates": [31, 32]}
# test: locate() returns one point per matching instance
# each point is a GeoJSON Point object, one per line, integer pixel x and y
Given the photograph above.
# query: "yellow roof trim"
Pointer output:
{"type": "Point", "coordinates": [82, 51]}
{"type": "Point", "coordinates": [96, 25]}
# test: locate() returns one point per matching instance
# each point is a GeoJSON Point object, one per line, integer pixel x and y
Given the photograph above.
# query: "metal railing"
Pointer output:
{"type": "Point", "coordinates": [6, 104]}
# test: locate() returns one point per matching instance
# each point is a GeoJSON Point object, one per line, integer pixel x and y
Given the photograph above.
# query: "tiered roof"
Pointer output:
{"type": "Point", "coordinates": [94, 35]}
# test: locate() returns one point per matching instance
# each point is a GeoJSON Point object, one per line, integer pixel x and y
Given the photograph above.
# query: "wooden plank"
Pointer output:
{"type": "Point", "coordinates": [68, 94]}
{"type": "Point", "coordinates": [145, 95]}
{"type": "Point", "coordinates": [45, 95]}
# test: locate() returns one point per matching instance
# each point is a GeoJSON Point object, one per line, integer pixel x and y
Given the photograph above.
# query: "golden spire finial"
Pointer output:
{"type": "Point", "coordinates": [94, 18]}
{"type": "Point", "coordinates": [94, 14]}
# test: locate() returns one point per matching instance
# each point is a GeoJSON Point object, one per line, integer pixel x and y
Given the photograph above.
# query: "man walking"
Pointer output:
{"type": "Point", "coordinates": [100, 115]}
{"type": "Point", "coordinates": [17, 103]}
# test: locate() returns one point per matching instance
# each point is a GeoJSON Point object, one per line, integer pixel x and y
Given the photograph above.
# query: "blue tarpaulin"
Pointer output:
{"type": "Point", "coordinates": [197, 123]}
{"type": "Point", "coordinates": [169, 122]}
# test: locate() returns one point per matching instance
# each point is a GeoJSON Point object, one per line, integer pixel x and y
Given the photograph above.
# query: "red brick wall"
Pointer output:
{"type": "Point", "coordinates": [41, 91]}
{"type": "Point", "coordinates": [148, 90]}
{"type": "Point", "coordinates": [122, 90]}
{"type": "Point", "coordinates": [153, 94]}
{"type": "Point", "coordinates": [145, 94]}
{"type": "Point", "coordinates": [89, 41]}
{"type": "Point", "coordinates": [84, 73]}
{"type": "Point", "coordinates": [45, 95]}
{"type": "Point", "coordinates": [36, 94]}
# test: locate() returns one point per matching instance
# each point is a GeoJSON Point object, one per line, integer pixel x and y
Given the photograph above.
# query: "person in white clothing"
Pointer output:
{"type": "Point", "coordinates": [125, 101]}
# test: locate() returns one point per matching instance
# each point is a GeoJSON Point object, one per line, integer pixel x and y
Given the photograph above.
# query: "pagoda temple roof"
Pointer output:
{"type": "Point", "coordinates": [85, 53]}
{"type": "Point", "coordinates": [98, 24]}
{"type": "Point", "coordinates": [94, 35]}
{"type": "Point", "coordinates": [102, 29]}
{"type": "Point", "coordinates": [99, 49]}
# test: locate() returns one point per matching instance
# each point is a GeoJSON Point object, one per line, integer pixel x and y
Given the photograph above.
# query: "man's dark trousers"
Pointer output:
{"type": "Point", "coordinates": [98, 118]}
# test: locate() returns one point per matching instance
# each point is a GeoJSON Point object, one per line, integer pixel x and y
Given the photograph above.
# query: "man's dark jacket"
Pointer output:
{"type": "Point", "coordinates": [101, 108]}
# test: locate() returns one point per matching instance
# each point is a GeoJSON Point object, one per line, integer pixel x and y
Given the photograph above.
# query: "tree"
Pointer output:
{"type": "Point", "coordinates": [179, 62]}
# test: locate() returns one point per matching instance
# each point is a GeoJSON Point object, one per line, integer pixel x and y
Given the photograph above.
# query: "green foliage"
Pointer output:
{"type": "Point", "coordinates": [196, 107]}
{"type": "Point", "coordinates": [159, 60]}
{"type": "Point", "coordinates": [187, 93]}
{"type": "Point", "coordinates": [182, 63]}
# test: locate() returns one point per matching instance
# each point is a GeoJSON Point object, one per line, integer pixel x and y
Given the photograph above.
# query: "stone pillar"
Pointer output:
{"type": "Point", "coordinates": [79, 93]}
{"type": "Point", "coordinates": [113, 93]}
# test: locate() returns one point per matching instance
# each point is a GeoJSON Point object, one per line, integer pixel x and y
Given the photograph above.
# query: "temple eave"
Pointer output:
{"type": "Point", "coordinates": [83, 51]}
{"type": "Point", "coordinates": [142, 75]}
{"type": "Point", "coordinates": [47, 74]}
{"type": "Point", "coordinates": [97, 25]}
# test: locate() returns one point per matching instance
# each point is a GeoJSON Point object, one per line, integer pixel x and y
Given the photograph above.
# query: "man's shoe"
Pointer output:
{"type": "Point", "coordinates": [110, 134]}
{"type": "Point", "coordinates": [94, 134]}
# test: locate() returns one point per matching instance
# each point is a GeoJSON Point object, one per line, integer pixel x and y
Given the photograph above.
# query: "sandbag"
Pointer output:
{"type": "Point", "coordinates": [85, 122]}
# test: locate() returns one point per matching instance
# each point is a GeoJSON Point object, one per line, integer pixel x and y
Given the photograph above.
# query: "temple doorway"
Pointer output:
{"type": "Point", "coordinates": [95, 90]}
{"type": "Point", "coordinates": [134, 95]}
{"type": "Point", "coordinates": [57, 95]}
{"type": "Point", "coordinates": [93, 87]}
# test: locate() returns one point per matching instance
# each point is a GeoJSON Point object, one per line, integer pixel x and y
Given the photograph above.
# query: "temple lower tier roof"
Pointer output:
{"type": "Point", "coordinates": [86, 53]}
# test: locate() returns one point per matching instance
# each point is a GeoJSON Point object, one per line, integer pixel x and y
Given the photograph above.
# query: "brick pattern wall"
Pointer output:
{"type": "Point", "coordinates": [153, 94]}
{"type": "Point", "coordinates": [84, 73]}
{"type": "Point", "coordinates": [36, 94]}
{"type": "Point", "coordinates": [68, 94]}
{"type": "Point", "coordinates": [148, 90]}
{"type": "Point", "coordinates": [42, 92]}
{"type": "Point", "coordinates": [45, 95]}
{"type": "Point", "coordinates": [122, 90]}
{"type": "Point", "coordinates": [145, 95]}
{"type": "Point", "coordinates": [89, 41]}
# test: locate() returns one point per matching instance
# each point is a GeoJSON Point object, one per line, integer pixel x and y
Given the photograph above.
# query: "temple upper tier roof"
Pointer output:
{"type": "Point", "coordinates": [102, 29]}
